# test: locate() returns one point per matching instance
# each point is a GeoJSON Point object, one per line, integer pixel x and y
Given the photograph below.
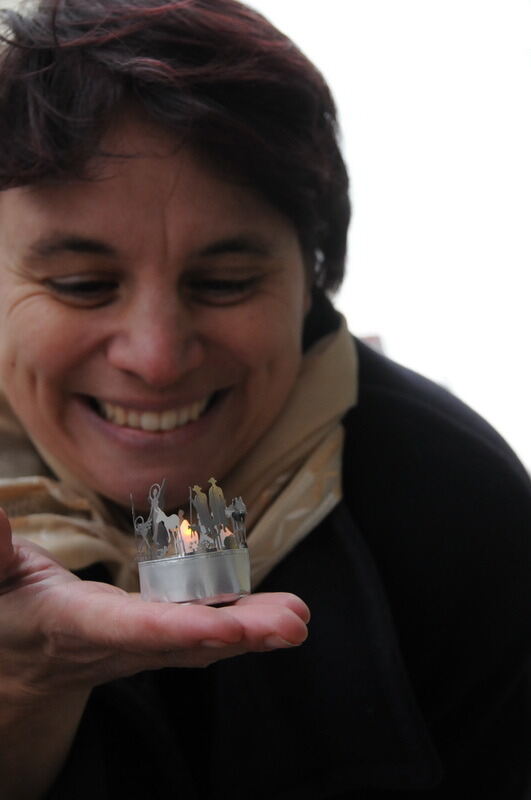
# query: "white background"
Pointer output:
{"type": "Point", "coordinates": [435, 105]}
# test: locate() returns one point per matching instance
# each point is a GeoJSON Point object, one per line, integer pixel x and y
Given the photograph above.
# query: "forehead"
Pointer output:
{"type": "Point", "coordinates": [139, 165]}
{"type": "Point", "coordinates": [147, 185]}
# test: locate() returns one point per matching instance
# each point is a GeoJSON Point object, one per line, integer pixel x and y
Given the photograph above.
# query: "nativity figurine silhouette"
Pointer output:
{"type": "Point", "coordinates": [217, 526]}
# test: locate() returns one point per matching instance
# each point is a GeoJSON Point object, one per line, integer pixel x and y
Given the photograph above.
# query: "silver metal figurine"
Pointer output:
{"type": "Point", "coordinates": [182, 560]}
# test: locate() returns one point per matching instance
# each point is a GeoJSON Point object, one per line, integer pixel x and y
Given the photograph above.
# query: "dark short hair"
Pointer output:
{"type": "Point", "coordinates": [214, 72]}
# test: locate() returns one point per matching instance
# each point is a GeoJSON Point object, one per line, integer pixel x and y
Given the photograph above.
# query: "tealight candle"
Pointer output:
{"type": "Point", "coordinates": [203, 559]}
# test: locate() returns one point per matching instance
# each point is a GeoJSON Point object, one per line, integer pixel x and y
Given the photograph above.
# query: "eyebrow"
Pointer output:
{"type": "Point", "coordinates": [54, 245]}
{"type": "Point", "coordinates": [254, 245]}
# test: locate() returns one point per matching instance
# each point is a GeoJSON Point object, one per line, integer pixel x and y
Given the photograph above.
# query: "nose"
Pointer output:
{"type": "Point", "coordinates": [156, 340]}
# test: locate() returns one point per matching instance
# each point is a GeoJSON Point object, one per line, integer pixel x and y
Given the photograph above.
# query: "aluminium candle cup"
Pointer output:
{"type": "Point", "coordinates": [210, 578]}
{"type": "Point", "coordinates": [202, 560]}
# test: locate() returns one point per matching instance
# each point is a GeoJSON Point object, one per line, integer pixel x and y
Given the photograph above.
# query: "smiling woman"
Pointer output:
{"type": "Point", "coordinates": [173, 217]}
{"type": "Point", "coordinates": [172, 327]}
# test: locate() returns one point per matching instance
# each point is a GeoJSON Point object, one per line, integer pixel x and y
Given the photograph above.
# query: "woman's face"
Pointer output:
{"type": "Point", "coordinates": [150, 321]}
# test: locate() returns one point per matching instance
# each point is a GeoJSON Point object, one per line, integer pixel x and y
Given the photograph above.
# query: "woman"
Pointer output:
{"type": "Point", "coordinates": [174, 210]}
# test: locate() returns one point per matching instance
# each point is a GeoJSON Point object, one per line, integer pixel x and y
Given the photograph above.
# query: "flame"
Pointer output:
{"type": "Point", "coordinates": [189, 536]}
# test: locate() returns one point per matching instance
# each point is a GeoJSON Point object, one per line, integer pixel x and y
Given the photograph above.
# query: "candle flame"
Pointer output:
{"type": "Point", "coordinates": [189, 536]}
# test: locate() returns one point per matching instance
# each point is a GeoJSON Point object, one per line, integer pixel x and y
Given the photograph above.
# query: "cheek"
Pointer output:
{"type": "Point", "coordinates": [271, 329]}
{"type": "Point", "coordinates": [261, 340]}
{"type": "Point", "coordinates": [35, 342]}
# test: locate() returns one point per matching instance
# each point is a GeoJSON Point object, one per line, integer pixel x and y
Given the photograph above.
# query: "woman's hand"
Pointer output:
{"type": "Point", "coordinates": [57, 631]}
{"type": "Point", "coordinates": [60, 636]}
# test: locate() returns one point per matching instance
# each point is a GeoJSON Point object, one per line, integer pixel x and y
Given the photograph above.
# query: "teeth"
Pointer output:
{"type": "Point", "coordinates": [132, 419]}
{"type": "Point", "coordinates": [149, 421]}
{"type": "Point", "coordinates": [168, 420]}
{"type": "Point", "coordinates": [153, 421]}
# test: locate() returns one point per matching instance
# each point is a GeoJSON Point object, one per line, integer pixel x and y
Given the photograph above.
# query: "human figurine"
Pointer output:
{"type": "Point", "coordinates": [143, 529]}
{"type": "Point", "coordinates": [204, 517]}
{"type": "Point", "coordinates": [216, 500]}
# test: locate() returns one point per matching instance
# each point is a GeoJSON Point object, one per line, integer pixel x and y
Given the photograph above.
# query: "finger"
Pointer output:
{"type": "Point", "coordinates": [264, 598]}
{"type": "Point", "coordinates": [7, 554]}
{"type": "Point", "coordinates": [269, 625]}
{"type": "Point", "coordinates": [95, 620]}
{"type": "Point", "coordinates": [248, 625]}
{"type": "Point", "coordinates": [265, 627]}
{"type": "Point", "coordinates": [119, 622]}
{"type": "Point", "coordinates": [293, 602]}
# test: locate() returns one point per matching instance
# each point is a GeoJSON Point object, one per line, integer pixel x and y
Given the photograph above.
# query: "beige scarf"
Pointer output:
{"type": "Point", "coordinates": [290, 480]}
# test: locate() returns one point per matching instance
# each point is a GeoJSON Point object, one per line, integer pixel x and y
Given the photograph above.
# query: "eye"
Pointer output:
{"type": "Point", "coordinates": [222, 291]}
{"type": "Point", "coordinates": [84, 291]}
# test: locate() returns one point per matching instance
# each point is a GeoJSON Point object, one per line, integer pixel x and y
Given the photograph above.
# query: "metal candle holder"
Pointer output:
{"type": "Point", "coordinates": [202, 560]}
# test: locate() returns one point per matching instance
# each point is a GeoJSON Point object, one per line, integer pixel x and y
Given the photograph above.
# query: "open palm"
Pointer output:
{"type": "Point", "coordinates": [59, 632]}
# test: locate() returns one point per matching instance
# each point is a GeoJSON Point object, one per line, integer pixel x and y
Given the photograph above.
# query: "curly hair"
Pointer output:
{"type": "Point", "coordinates": [214, 73]}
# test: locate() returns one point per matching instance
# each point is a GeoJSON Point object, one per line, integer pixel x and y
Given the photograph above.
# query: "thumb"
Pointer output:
{"type": "Point", "coordinates": [7, 554]}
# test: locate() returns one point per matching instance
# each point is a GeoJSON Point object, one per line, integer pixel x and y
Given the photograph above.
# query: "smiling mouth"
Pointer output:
{"type": "Point", "coordinates": [152, 421]}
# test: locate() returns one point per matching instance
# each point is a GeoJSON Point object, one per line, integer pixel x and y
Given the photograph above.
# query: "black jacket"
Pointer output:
{"type": "Point", "coordinates": [413, 680]}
